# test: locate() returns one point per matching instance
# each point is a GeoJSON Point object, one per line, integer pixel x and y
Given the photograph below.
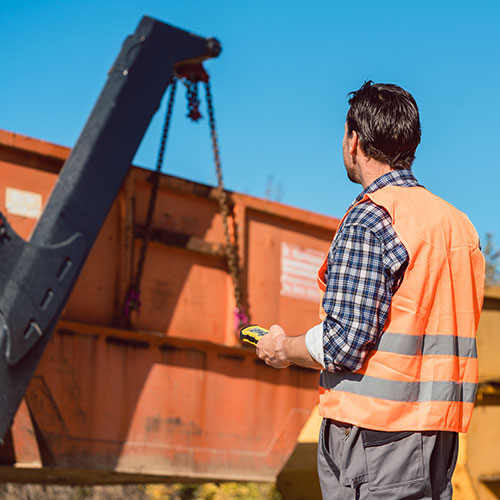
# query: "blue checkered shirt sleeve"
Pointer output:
{"type": "Point", "coordinates": [366, 263]}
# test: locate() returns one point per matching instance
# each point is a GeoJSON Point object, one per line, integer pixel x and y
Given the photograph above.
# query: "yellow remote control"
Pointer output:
{"type": "Point", "coordinates": [251, 334]}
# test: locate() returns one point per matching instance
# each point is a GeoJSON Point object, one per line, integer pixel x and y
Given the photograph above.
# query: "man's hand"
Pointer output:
{"type": "Point", "coordinates": [279, 351]}
{"type": "Point", "coordinates": [271, 348]}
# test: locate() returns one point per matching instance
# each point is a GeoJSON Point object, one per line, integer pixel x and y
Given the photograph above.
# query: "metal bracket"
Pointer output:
{"type": "Point", "coordinates": [41, 278]}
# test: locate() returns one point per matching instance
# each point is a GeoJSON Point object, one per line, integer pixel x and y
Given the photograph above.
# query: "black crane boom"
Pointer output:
{"type": "Point", "coordinates": [37, 276]}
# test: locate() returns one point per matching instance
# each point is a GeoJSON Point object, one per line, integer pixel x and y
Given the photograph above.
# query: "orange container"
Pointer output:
{"type": "Point", "coordinates": [174, 395]}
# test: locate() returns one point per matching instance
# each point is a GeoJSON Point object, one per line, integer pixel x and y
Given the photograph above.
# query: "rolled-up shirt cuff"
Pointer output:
{"type": "Point", "coordinates": [314, 343]}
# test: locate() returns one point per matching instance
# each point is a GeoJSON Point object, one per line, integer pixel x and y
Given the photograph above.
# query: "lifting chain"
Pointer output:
{"type": "Point", "coordinates": [193, 100]}
{"type": "Point", "coordinates": [192, 74]}
{"type": "Point", "coordinates": [232, 258]}
{"type": "Point", "coordinates": [133, 299]}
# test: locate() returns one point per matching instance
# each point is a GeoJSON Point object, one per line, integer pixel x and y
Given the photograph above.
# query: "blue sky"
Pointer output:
{"type": "Point", "coordinates": [279, 87]}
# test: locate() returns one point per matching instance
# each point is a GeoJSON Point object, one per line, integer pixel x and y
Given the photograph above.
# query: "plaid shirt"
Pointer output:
{"type": "Point", "coordinates": [366, 264]}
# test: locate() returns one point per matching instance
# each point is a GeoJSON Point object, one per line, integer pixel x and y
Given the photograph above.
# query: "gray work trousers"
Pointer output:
{"type": "Point", "coordinates": [356, 463]}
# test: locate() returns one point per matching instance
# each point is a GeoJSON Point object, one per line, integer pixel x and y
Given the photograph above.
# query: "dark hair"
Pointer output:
{"type": "Point", "coordinates": [387, 122]}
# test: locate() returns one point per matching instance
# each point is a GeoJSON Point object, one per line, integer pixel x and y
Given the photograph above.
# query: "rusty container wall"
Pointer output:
{"type": "Point", "coordinates": [173, 395]}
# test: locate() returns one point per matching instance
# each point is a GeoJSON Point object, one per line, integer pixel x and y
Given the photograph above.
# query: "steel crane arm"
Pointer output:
{"type": "Point", "coordinates": [36, 277]}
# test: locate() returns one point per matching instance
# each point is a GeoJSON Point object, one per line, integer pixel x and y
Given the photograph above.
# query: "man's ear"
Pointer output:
{"type": "Point", "coordinates": [354, 143]}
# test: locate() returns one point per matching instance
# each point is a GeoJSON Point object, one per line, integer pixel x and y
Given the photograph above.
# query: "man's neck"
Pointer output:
{"type": "Point", "coordinates": [371, 170]}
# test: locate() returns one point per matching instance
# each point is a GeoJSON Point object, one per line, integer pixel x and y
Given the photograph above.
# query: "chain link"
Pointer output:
{"type": "Point", "coordinates": [133, 299]}
{"type": "Point", "coordinates": [193, 100]}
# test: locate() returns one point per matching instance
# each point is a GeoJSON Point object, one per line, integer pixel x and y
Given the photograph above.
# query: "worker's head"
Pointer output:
{"type": "Point", "coordinates": [386, 120]}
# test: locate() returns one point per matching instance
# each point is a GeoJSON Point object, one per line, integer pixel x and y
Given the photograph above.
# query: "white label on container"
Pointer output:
{"type": "Point", "coordinates": [299, 270]}
{"type": "Point", "coordinates": [23, 203]}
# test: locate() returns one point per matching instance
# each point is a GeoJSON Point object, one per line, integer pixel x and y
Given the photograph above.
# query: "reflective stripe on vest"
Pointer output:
{"type": "Point", "coordinates": [422, 373]}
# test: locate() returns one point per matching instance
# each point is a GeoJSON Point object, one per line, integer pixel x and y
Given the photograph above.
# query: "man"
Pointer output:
{"type": "Point", "coordinates": [403, 289]}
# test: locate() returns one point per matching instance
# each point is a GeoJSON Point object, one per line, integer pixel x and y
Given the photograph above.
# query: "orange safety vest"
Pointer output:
{"type": "Point", "coordinates": [422, 373]}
